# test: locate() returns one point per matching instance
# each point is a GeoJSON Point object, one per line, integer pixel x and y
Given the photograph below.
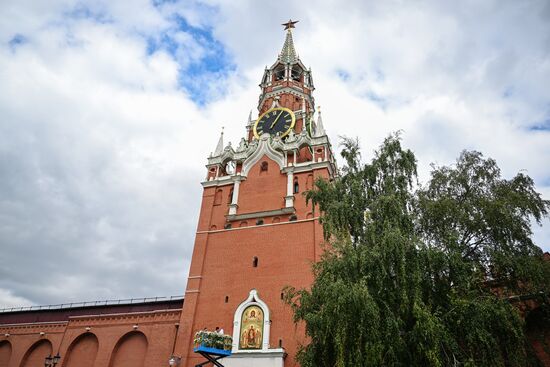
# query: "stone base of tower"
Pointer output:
{"type": "Point", "coordinates": [271, 358]}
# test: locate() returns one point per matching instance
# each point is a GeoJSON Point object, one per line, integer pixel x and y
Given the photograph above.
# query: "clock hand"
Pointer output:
{"type": "Point", "coordinates": [274, 122]}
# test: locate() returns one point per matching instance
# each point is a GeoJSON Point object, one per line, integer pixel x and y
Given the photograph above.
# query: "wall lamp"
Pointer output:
{"type": "Point", "coordinates": [174, 361]}
{"type": "Point", "coordinates": [52, 361]}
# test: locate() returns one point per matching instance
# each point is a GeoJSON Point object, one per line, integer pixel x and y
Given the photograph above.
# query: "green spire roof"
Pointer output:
{"type": "Point", "coordinates": [288, 53]}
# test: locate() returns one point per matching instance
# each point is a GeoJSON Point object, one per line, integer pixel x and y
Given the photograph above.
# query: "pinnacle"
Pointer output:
{"type": "Point", "coordinates": [320, 129]}
{"type": "Point", "coordinates": [219, 147]}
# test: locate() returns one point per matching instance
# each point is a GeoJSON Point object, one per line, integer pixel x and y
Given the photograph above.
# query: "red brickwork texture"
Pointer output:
{"type": "Point", "coordinates": [222, 270]}
{"type": "Point", "coordinates": [116, 340]}
{"type": "Point", "coordinates": [83, 351]}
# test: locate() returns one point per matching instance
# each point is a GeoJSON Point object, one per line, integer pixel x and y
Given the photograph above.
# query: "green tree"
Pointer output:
{"type": "Point", "coordinates": [408, 275]}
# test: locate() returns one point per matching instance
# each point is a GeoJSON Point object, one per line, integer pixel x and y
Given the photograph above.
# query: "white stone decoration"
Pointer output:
{"type": "Point", "coordinates": [289, 198]}
{"type": "Point", "coordinates": [264, 357]}
{"type": "Point", "coordinates": [252, 300]}
{"type": "Point", "coordinates": [264, 148]}
{"type": "Point", "coordinates": [275, 358]}
{"type": "Point", "coordinates": [319, 128]}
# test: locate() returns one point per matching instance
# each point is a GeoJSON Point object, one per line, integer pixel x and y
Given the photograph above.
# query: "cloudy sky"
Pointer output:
{"type": "Point", "coordinates": [108, 110]}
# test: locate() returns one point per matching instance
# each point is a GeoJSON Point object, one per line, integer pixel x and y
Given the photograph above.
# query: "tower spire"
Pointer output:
{"type": "Point", "coordinates": [219, 147]}
{"type": "Point", "coordinates": [319, 128]}
{"type": "Point", "coordinates": [288, 53]}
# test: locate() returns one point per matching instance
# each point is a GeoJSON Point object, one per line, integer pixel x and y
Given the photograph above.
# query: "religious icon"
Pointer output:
{"type": "Point", "coordinates": [252, 323]}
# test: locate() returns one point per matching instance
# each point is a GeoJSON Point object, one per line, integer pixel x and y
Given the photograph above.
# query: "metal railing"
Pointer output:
{"type": "Point", "coordinates": [109, 302]}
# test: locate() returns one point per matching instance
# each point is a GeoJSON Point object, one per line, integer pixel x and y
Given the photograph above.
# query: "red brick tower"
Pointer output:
{"type": "Point", "coordinates": [256, 234]}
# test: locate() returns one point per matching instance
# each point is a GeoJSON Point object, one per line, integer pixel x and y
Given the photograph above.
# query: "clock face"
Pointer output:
{"type": "Point", "coordinates": [276, 120]}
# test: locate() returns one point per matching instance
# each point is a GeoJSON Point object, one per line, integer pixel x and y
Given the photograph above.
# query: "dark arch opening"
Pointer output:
{"type": "Point", "coordinates": [279, 72]}
{"type": "Point", "coordinates": [296, 73]}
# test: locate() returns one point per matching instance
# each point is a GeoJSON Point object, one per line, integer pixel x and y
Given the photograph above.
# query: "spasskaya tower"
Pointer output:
{"type": "Point", "coordinates": [256, 234]}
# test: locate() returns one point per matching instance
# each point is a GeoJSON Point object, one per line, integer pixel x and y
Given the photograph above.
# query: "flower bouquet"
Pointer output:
{"type": "Point", "coordinates": [212, 339]}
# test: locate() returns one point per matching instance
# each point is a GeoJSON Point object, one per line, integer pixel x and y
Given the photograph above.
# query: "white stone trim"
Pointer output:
{"type": "Point", "coordinates": [235, 198]}
{"type": "Point", "coordinates": [252, 300]}
{"type": "Point", "coordinates": [289, 201]}
{"type": "Point", "coordinates": [290, 182]}
{"type": "Point", "coordinates": [251, 227]}
{"type": "Point", "coordinates": [264, 148]}
{"type": "Point", "coordinates": [273, 358]}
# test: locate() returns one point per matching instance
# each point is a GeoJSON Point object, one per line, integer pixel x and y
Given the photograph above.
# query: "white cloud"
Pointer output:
{"type": "Point", "coordinates": [102, 151]}
{"type": "Point", "coordinates": [9, 300]}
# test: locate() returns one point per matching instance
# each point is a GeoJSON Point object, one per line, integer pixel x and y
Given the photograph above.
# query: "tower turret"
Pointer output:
{"type": "Point", "coordinates": [288, 83]}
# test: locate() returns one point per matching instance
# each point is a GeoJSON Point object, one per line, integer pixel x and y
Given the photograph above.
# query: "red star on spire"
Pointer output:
{"type": "Point", "coordinates": [290, 24]}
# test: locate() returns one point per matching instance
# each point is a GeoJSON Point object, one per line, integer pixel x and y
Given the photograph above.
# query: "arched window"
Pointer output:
{"type": "Point", "coordinates": [293, 218]}
{"type": "Point", "coordinates": [255, 262]}
{"type": "Point", "coordinates": [259, 222]}
{"type": "Point", "coordinates": [296, 187]}
{"type": "Point", "coordinates": [263, 167]}
{"type": "Point", "coordinates": [279, 72]}
{"type": "Point", "coordinates": [218, 197]}
{"type": "Point", "coordinates": [296, 73]}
